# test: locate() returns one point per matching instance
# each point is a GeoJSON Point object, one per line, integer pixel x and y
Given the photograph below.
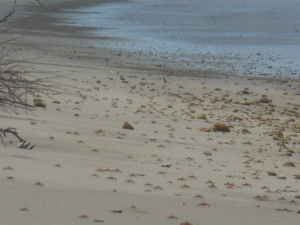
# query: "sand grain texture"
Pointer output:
{"type": "Point", "coordinates": [88, 165]}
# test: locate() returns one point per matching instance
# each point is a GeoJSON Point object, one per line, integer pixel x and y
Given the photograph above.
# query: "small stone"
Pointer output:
{"type": "Point", "coordinates": [245, 92]}
{"type": "Point", "coordinates": [297, 177]}
{"type": "Point", "coordinates": [245, 130]}
{"type": "Point", "coordinates": [270, 173]}
{"type": "Point", "coordinates": [201, 117]}
{"type": "Point", "coordinates": [56, 102]}
{"type": "Point", "coordinates": [127, 126]}
{"type": "Point", "coordinates": [40, 104]}
{"type": "Point", "coordinates": [289, 164]}
{"type": "Point", "coordinates": [265, 100]}
{"type": "Point", "coordinates": [297, 196]}
{"type": "Point", "coordinates": [76, 114]}
{"type": "Point", "coordinates": [98, 81]}
{"type": "Point", "coordinates": [222, 127]}
{"type": "Point", "coordinates": [207, 129]}
{"type": "Point", "coordinates": [207, 153]}
{"type": "Point", "coordinates": [282, 177]}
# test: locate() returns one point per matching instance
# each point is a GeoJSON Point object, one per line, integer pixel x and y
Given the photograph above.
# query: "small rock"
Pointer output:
{"type": "Point", "coordinates": [201, 117]}
{"type": "Point", "coordinates": [76, 114]}
{"type": "Point", "coordinates": [40, 104]}
{"type": "Point", "coordinates": [270, 173]}
{"type": "Point", "coordinates": [221, 127]}
{"type": "Point", "coordinates": [98, 81]}
{"type": "Point", "coordinates": [265, 100]}
{"type": "Point", "coordinates": [127, 126]}
{"type": "Point", "coordinates": [56, 102]}
{"type": "Point", "coordinates": [207, 153]}
{"type": "Point", "coordinates": [245, 130]}
{"type": "Point", "coordinates": [207, 129]}
{"type": "Point", "coordinates": [289, 164]}
{"type": "Point", "coordinates": [297, 177]}
{"type": "Point", "coordinates": [282, 177]}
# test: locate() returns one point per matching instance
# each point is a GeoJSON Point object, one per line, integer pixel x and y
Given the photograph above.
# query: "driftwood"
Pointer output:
{"type": "Point", "coordinates": [12, 131]}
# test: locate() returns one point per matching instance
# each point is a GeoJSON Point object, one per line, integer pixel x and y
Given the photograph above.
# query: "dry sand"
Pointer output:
{"type": "Point", "coordinates": [165, 131]}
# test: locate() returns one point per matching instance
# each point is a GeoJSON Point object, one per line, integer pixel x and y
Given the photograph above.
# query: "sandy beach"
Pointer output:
{"type": "Point", "coordinates": [85, 168]}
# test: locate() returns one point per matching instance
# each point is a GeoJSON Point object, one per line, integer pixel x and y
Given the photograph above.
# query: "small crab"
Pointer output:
{"type": "Point", "coordinates": [282, 199]}
{"type": "Point", "coordinates": [261, 198]}
{"type": "Point", "coordinates": [189, 158]}
{"type": "Point", "coordinates": [129, 181]}
{"type": "Point", "coordinates": [285, 209]}
{"type": "Point", "coordinates": [76, 133]}
{"type": "Point", "coordinates": [265, 188]}
{"type": "Point", "coordinates": [24, 209]}
{"type": "Point", "coordinates": [148, 191]}
{"type": "Point", "coordinates": [192, 177]}
{"type": "Point", "coordinates": [51, 138]}
{"type": "Point", "coordinates": [181, 179]}
{"type": "Point", "coordinates": [212, 186]}
{"type": "Point", "coordinates": [68, 132]}
{"type": "Point", "coordinates": [58, 109]}
{"type": "Point", "coordinates": [117, 170]}
{"type": "Point", "coordinates": [186, 223]}
{"type": "Point", "coordinates": [33, 123]}
{"type": "Point", "coordinates": [246, 185]}
{"type": "Point", "coordinates": [170, 182]}
{"type": "Point", "coordinates": [203, 204]}
{"type": "Point", "coordinates": [209, 182]}
{"type": "Point", "coordinates": [172, 217]}
{"type": "Point", "coordinates": [157, 188]}
{"type": "Point", "coordinates": [111, 178]}
{"type": "Point", "coordinates": [95, 150]}
{"type": "Point", "coordinates": [256, 178]}
{"type": "Point", "coordinates": [8, 168]}
{"type": "Point", "coordinates": [162, 173]}
{"type": "Point", "coordinates": [38, 184]}
{"type": "Point", "coordinates": [57, 165]}
{"type": "Point", "coordinates": [80, 142]}
{"type": "Point", "coordinates": [147, 184]}
{"type": "Point", "coordinates": [198, 196]}
{"type": "Point", "coordinates": [293, 202]}
{"type": "Point", "coordinates": [132, 175]}
{"type": "Point", "coordinates": [94, 175]}
{"type": "Point", "coordinates": [278, 191]}
{"type": "Point", "coordinates": [229, 176]}
{"type": "Point", "coordinates": [161, 146]}
{"type": "Point", "coordinates": [185, 186]}
{"type": "Point", "coordinates": [9, 178]}
{"type": "Point", "coordinates": [83, 216]}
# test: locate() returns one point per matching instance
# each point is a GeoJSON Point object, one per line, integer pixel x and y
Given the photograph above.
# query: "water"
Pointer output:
{"type": "Point", "coordinates": [252, 37]}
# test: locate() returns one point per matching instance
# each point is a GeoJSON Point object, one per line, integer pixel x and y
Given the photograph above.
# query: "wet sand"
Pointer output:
{"type": "Point", "coordinates": [76, 156]}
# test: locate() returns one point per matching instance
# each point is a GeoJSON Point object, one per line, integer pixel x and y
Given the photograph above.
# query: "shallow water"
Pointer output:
{"type": "Point", "coordinates": [237, 36]}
